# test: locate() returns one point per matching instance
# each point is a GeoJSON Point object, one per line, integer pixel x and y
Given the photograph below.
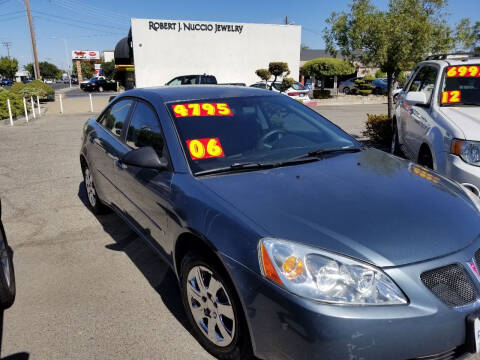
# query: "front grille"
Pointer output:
{"type": "Point", "coordinates": [451, 284]}
{"type": "Point", "coordinates": [446, 355]}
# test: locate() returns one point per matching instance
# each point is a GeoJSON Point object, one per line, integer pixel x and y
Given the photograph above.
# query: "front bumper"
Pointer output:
{"type": "Point", "coordinates": [462, 172]}
{"type": "Point", "coordinates": [286, 327]}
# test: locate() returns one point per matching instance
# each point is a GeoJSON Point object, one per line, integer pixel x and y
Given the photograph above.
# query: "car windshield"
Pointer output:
{"type": "Point", "coordinates": [277, 85]}
{"type": "Point", "coordinates": [461, 86]}
{"type": "Point", "coordinates": [219, 133]}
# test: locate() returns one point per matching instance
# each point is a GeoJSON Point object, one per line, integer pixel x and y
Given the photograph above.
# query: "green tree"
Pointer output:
{"type": "Point", "coordinates": [263, 74]}
{"type": "Point", "coordinates": [394, 39]}
{"type": "Point", "coordinates": [49, 70]}
{"type": "Point", "coordinates": [380, 74]}
{"type": "Point", "coordinates": [468, 35]}
{"type": "Point", "coordinates": [8, 67]}
{"type": "Point", "coordinates": [277, 69]}
{"type": "Point", "coordinates": [88, 69]}
{"type": "Point", "coordinates": [29, 68]}
{"type": "Point", "coordinates": [108, 69]}
{"type": "Point", "coordinates": [323, 67]}
{"type": "Point", "coordinates": [286, 84]}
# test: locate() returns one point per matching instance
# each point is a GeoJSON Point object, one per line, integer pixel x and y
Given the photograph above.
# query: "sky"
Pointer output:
{"type": "Point", "coordinates": [65, 25]}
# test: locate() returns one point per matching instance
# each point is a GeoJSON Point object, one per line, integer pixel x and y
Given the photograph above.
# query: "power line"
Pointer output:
{"type": "Point", "coordinates": [42, 17]}
{"type": "Point", "coordinates": [12, 13]}
{"type": "Point", "coordinates": [107, 16]}
{"type": "Point", "coordinates": [76, 23]}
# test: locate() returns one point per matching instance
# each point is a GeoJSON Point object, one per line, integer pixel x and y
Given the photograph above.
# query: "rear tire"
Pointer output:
{"type": "Point", "coordinates": [346, 91]}
{"type": "Point", "coordinates": [213, 308]}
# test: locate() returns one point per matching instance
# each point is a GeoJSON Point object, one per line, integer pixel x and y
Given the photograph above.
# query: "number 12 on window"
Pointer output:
{"type": "Point", "coordinates": [450, 97]}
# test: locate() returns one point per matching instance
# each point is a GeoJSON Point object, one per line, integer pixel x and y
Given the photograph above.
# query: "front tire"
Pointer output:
{"type": "Point", "coordinates": [7, 276]}
{"type": "Point", "coordinates": [213, 309]}
{"type": "Point", "coordinates": [425, 158]}
{"type": "Point", "coordinates": [395, 147]}
{"type": "Point", "coordinates": [346, 91]}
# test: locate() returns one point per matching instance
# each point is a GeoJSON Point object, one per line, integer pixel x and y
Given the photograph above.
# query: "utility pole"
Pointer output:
{"type": "Point", "coordinates": [34, 43]}
{"type": "Point", "coordinates": [286, 20]}
{"type": "Point", "coordinates": [7, 45]}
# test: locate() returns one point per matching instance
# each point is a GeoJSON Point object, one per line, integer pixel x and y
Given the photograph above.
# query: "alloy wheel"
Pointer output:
{"type": "Point", "coordinates": [90, 188]}
{"type": "Point", "coordinates": [210, 306]}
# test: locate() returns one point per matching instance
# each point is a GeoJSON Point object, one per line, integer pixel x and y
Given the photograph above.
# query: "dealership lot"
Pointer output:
{"type": "Point", "coordinates": [87, 287]}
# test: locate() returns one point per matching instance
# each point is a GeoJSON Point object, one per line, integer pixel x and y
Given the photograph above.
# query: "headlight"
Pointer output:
{"type": "Point", "coordinates": [325, 276]}
{"type": "Point", "coordinates": [469, 151]}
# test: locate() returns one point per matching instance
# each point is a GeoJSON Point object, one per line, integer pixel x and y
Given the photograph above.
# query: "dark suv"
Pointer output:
{"type": "Point", "coordinates": [193, 80]}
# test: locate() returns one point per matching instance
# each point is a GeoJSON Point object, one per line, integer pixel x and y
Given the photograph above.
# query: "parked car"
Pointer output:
{"type": "Point", "coordinates": [193, 80]}
{"type": "Point", "coordinates": [7, 276]}
{"type": "Point", "coordinates": [27, 80]}
{"type": "Point", "coordinates": [381, 88]}
{"type": "Point", "coordinates": [297, 91]}
{"type": "Point", "coordinates": [100, 85]}
{"type": "Point", "coordinates": [290, 240]}
{"type": "Point", "coordinates": [437, 120]}
{"type": "Point", "coordinates": [6, 82]}
{"type": "Point", "coordinates": [347, 86]}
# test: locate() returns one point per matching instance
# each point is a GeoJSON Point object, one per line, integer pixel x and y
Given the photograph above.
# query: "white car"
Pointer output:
{"type": "Point", "coordinates": [437, 118]}
{"type": "Point", "coordinates": [297, 91]}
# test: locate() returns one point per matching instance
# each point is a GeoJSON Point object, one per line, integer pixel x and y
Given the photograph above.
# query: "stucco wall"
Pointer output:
{"type": "Point", "coordinates": [230, 51]}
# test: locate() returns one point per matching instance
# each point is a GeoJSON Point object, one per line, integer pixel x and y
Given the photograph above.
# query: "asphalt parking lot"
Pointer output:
{"type": "Point", "coordinates": [87, 287]}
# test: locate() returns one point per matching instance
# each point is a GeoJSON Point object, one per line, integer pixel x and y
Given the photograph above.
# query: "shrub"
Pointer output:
{"type": "Point", "coordinates": [321, 94]}
{"type": "Point", "coordinates": [359, 81]}
{"type": "Point", "coordinates": [380, 74]}
{"type": "Point", "coordinates": [17, 87]}
{"type": "Point", "coordinates": [39, 88]}
{"type": "Point", "coordinates": [369, 78]}
{"type": "Point", "coordinates": [365, 92]}
{"type": "Point", "coordinates": [378, 129]}
{"type": "Point", "coordinates": [15, 103]}
{"type": "Point", "coordinates": [286, 84]}
{"type": "Point", "coordinates": [263, 74]}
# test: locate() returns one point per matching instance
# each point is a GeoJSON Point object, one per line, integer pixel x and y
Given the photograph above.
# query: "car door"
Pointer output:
{"type": "Point", "coordinates": [416, 120]}
{"type": "Point", "coordinates": [145, 193]}
{"type": "Point", "coordinates": [107, 147]}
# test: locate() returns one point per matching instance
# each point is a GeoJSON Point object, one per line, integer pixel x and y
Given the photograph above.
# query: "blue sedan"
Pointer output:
{"type": "Point", "coordinates": [290, 239]}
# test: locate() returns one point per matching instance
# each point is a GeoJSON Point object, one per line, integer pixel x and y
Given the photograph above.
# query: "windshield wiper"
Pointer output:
{"type": "Point", "coordinates": [248, 166]}
{"type": "Point", "coordinates": [237, 167]}
{"type": "Point", "coordinates": [320, 152]}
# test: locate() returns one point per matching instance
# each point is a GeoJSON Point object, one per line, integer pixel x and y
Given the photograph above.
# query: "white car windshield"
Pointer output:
{"type": "Point", "coordinates": [461, 86]}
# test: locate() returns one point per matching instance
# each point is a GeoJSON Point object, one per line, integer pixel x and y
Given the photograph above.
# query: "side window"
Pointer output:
{"type": "Point", "coordinates": [115, 117]}
{"type": "Point", "coordinates": [424, 81]}
{"type": "Point", "coordinates": [176, 81]}
{"type": "Point", "coordinates": [189, 80]}
{"type": "Point", "coordinates": [144, 129]}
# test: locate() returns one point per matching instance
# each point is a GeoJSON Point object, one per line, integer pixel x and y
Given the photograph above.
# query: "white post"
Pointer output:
{"type": "Point", "coordinates": [61, 104]}
{"type": "Point", "coordinates": [38, 107]}
{"type": "Point", "coordinates": [10, 112]}
{"type": "Point", "coordinates": [33, 106]}
{"type": "Point", "coordinates": [91, 104]}
{"type": "Point", "coordinates": [25, 108]}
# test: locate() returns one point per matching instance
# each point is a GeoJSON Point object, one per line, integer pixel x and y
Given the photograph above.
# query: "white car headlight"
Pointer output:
{"type": "Point", "coordinates": [469, 151]}
{"type": "Point", "coordinates": [327, 277]}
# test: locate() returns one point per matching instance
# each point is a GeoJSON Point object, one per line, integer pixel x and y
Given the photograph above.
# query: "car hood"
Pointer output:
{"type": "Point", "coordinates": [467, 118]}
{"type": "Point", "coordinates": [368, 205]}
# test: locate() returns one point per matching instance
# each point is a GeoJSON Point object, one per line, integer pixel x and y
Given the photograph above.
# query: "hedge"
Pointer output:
{"type": "Point", "coordinates": [365, 92]}
{"type": "Point", "coordinates": [34, 88]}
{"type": "Point", "coordinates": [321, 94]}
{"type": "Point", "coordinates": [16, 104]}
{"type": "Point", "coordinates": [378, 129]}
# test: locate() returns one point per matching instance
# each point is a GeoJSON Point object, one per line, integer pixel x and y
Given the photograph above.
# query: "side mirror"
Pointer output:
{"type": "Point", "coordinates": [416, 98]}
{"type": "Point", "coordinates": [144, 157]}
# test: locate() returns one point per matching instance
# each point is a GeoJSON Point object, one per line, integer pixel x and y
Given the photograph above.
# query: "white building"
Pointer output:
{"type": "Point", "coordinates": [164, 49]}
{"type": "Point", "coordinates": [108, 55]}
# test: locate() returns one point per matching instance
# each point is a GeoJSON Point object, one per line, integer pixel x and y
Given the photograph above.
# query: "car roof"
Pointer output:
{"type": "Point", "coordinates": [453, 62]}
{"type": "Point", "coordinates": [195, 92]}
